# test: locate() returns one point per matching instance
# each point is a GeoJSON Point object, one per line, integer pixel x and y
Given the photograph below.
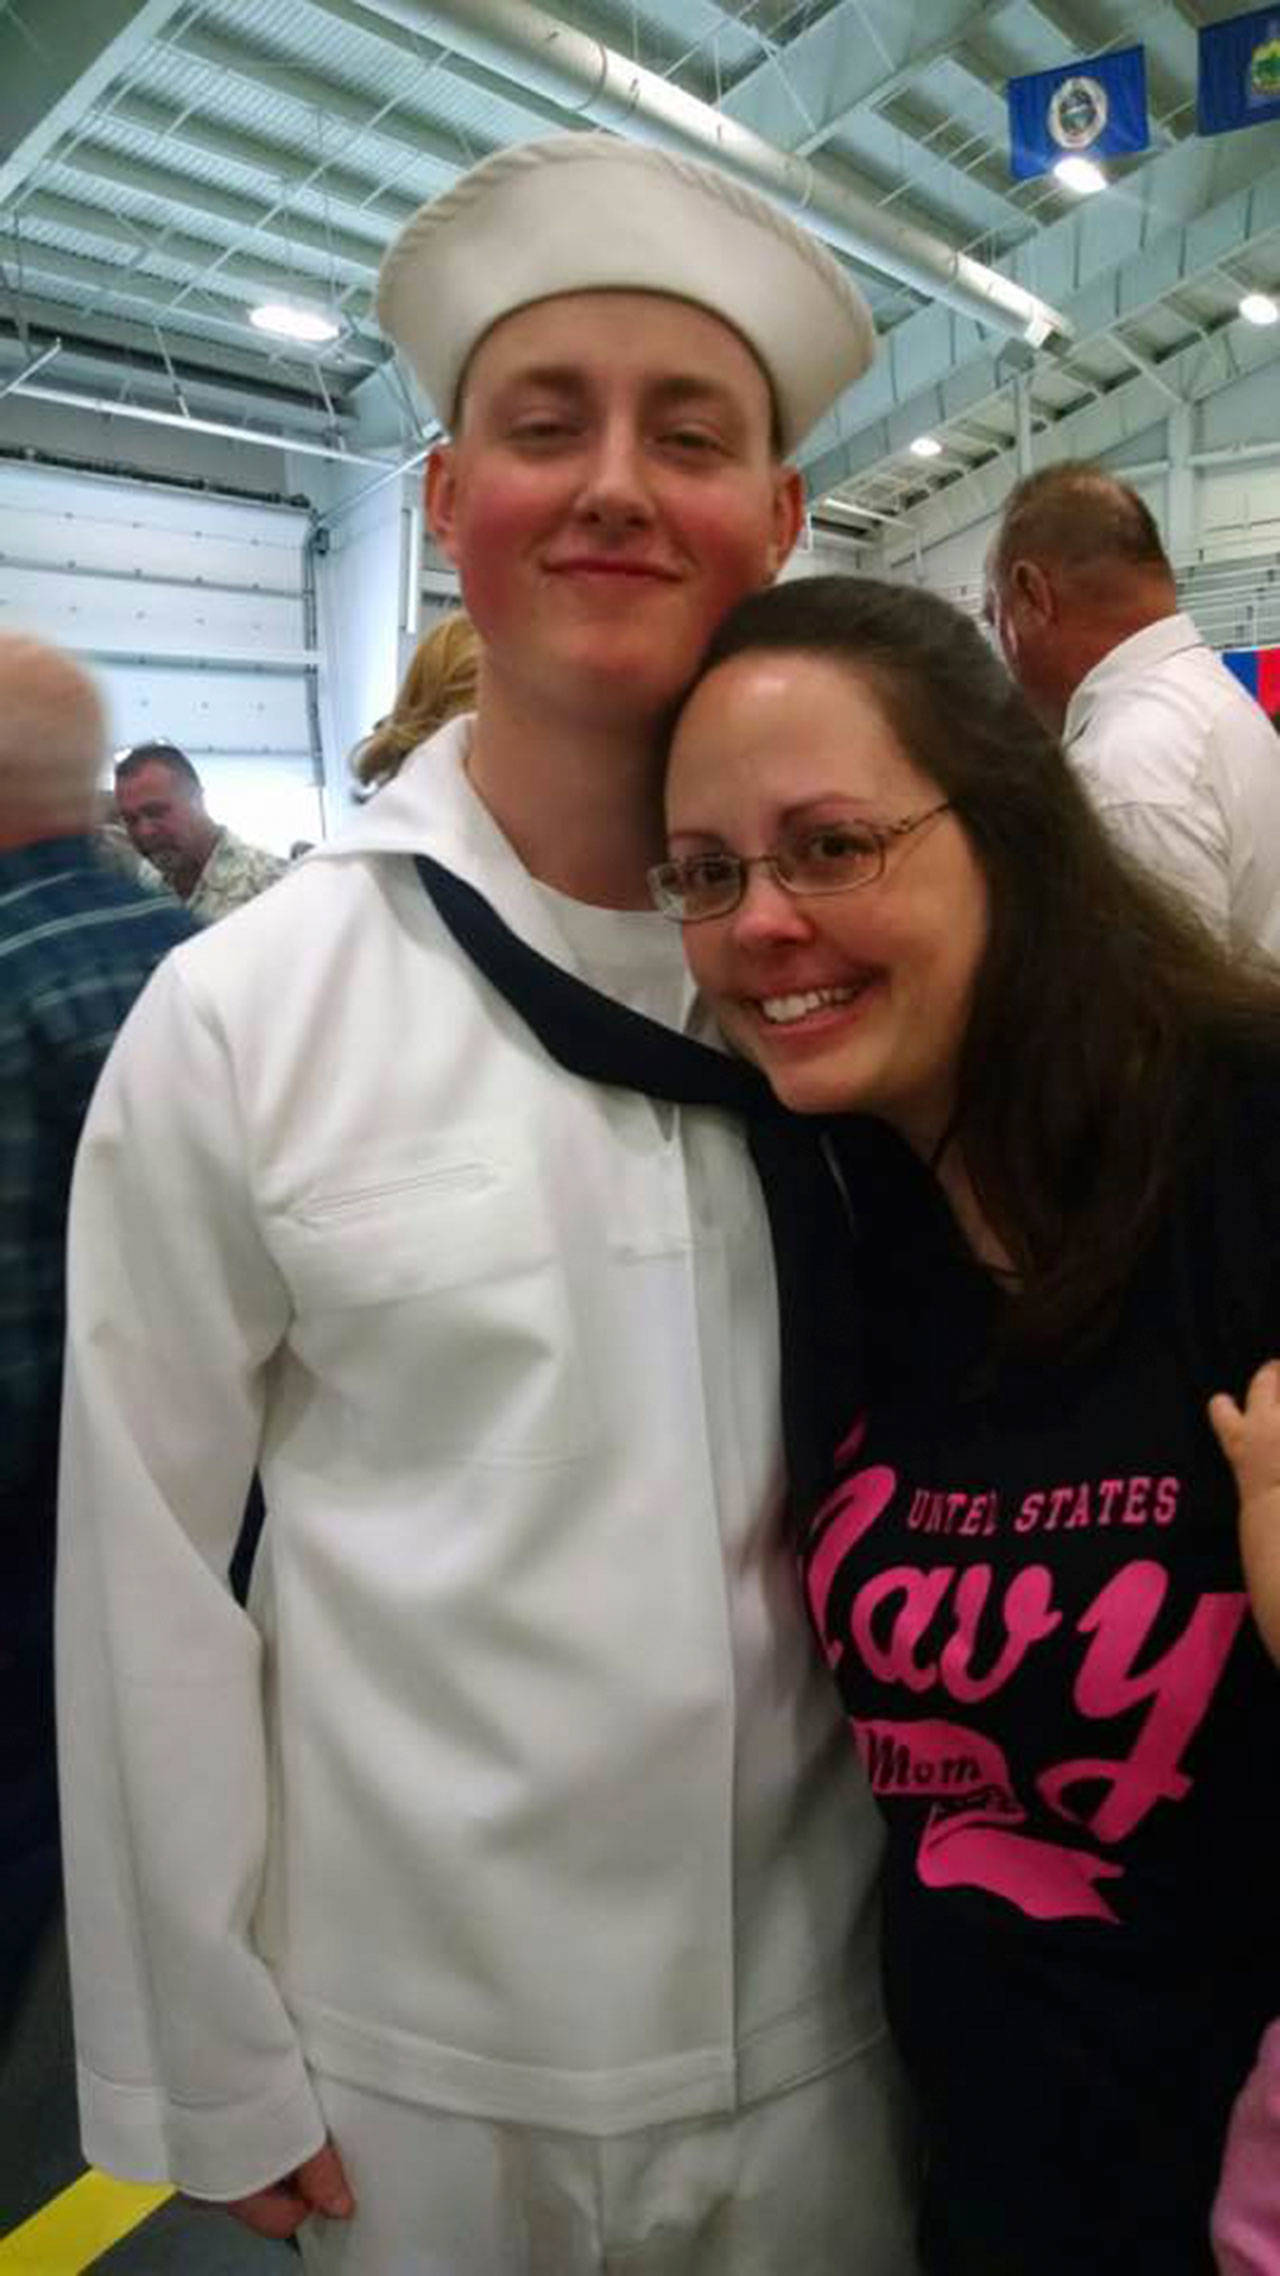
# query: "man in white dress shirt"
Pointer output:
{"type": "Point", "coordinates": [1179, 760]}
{"type": "Point", "coordinates": [496, 1895]}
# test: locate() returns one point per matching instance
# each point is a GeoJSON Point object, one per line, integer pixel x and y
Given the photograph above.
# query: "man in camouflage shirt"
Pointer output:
{"type": "Point", "coordinates": [161, 804]}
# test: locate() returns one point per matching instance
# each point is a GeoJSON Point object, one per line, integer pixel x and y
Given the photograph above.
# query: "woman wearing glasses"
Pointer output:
{"type": "Point", "coordinates": [1056, 1108]}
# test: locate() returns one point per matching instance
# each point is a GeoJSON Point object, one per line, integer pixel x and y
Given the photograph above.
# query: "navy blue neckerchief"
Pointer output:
{"type": "Point", "coordinates": [591, 1036]}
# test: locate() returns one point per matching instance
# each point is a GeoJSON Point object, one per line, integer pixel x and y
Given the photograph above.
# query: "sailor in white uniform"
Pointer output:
{"type": "Point", "coordinates": [495, 1896]}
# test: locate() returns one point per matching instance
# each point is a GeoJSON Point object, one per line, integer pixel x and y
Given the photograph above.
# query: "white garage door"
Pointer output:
{"type": "Point", "coordinates": [193, 613]}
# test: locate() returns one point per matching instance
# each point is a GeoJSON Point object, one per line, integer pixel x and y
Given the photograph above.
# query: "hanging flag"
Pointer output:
{"type": "Point", "coordinates": [1093, 109]}
{"type": "Point", "coordinates": [1258, 671]}
{"type": "Point", "coordinates": [1239, 83]}
{"type": "Point", "coordinates": [1244, 663]}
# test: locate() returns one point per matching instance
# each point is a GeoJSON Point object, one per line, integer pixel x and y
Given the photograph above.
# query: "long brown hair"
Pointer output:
{"type": "Point", "coordinates": [439, 681]}
{"type": "Point", "coordinates": [1100, 998]}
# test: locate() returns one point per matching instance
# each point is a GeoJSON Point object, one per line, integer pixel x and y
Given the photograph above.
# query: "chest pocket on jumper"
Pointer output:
{"type": "Point", "coordinates": [435, 1312]}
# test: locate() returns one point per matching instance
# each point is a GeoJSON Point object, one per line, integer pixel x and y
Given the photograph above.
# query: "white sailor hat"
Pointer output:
{"type": "Point", "coordinates": [591, 212]}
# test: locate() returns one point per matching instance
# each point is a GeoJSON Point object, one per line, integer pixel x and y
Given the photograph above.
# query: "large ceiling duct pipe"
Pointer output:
{"type": "Point", "coordinates": [581, 75]}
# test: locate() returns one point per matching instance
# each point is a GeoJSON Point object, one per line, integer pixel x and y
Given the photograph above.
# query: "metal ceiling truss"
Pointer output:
{"type": "Point", "coordinates": [331, 246]}
{"type": "Point", "coordinates": [935, 365]}
{"type": "Point", "coordinates": [404, 129]}
{"type": "Point", "coordinates": [517, 38]}
{"type": "Point", "coordinates": [100, 365]}
{"type": "Point", "coordinates": [176, 133]}
{"type": "Point", "coordinates": [174, 161]}
{"type": "Point", "coordinates": [213, 272]}
{"type": "Point", "coordinates": [1096, 428]}
{"type": "Point", "coordinates": [57, 57]}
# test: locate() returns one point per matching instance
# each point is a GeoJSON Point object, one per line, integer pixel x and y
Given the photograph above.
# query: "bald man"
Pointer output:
{"type": "Point", "coordinates": [76, 944]}
{"type": "Point", "coordinates": [1181, 763]}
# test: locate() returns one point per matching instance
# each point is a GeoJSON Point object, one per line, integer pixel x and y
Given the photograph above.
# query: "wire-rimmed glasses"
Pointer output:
{"type": "Point", "coordinates": [816, 858]}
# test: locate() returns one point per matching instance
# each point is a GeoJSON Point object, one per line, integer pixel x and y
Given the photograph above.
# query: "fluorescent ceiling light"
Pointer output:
{"type": "Point", "coordinates": [925, 446]}
{"type": "Point", "coordinates": [1080, 175]}
{"type": "Point", "coordinates": [1259, 308]}
{"type": "Point", "coordinates": [287, 323]}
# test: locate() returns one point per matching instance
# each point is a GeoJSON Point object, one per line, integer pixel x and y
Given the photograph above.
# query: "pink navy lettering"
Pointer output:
{"type": "Point", "coordinates": [971, 1837]}
{"type": "Point", "coordinates": [963, 1514]}
{"type": "Point", "coordinates": [960, 1631]}
{"type": "Point", "coordinates": [1093, 1503]}
{"type": "Point", "coordinates": [1106, 1501]}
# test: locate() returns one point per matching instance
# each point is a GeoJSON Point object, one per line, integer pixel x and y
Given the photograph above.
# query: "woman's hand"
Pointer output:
{"type": "Point", "coordinates": [1250, 1438]}
{"type": "Point", "coordinates": [318, 2185]}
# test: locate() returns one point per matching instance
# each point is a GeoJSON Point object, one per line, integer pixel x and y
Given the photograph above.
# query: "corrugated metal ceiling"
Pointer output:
{"type": "Point", "coordinates": [236, 147]}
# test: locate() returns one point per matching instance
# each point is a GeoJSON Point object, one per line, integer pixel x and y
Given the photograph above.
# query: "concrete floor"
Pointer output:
{"type": "Point", "coordinates": [40, 2151]}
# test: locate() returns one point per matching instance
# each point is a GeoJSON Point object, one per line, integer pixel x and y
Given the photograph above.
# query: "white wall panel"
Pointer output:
{"type": "Point", "coordinates": [90, 522]}
{"type": "Point", "coordinates": [191, 612]}
{"type": "Point", "coordinates": [365, 610]}
{"type": "Point", "coordinates": [85, 609]}
{"type": "Point", "coordinates": [1240, 510]}
{"type": "Point", "coordinates": [250, 716]}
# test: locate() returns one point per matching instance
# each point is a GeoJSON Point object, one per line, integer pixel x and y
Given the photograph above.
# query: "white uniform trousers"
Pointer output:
{"type": "Point", "coordinates": [813, 2182]}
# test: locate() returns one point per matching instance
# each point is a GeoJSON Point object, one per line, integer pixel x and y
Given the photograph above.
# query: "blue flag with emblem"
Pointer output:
{"type": "Point", "coordinates": [1096, 108]}
{"type": "Point", "coordinates": [1239, 82]}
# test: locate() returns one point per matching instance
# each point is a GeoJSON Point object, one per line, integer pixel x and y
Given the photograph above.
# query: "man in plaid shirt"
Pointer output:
{"type": "Point", "coordinates": [77, 942]}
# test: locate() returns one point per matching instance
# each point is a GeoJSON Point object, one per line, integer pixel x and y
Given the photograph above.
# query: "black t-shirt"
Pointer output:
{"type": "Point", "coordinates": [1026, 1580]}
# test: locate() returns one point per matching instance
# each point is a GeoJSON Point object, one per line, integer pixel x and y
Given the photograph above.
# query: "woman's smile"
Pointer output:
{"type": "Point", "coordinates": [852, 999]}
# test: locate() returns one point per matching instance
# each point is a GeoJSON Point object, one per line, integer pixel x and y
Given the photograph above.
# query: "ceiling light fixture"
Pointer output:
{"type": "Point", "coordinates": [284, 322]}
{"type": "Point", "coordinates": [1259, 308]}
{"type": "Point", "coordinates": [1080, 175]}
{"type": "Point", "coordinates": [925, 446]}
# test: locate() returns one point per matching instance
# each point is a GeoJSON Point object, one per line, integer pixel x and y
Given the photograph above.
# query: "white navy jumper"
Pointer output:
{"type": "Point", "coordinates": [517, 1791]}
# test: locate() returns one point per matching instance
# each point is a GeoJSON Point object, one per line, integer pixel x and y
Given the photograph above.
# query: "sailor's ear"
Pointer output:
{"type": "Point", "coordinates": [440, 498]}
{"type": "Point", "coordinates": [788, 516]}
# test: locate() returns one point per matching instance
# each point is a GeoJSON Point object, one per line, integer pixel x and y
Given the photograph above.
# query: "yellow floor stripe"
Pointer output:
{"type": "Point", "coordinates": [75, 2228]}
